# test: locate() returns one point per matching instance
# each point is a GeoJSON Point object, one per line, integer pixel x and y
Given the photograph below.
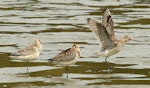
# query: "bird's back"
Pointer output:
{"type": "Point", "coordinates": [66, 57]}
{"type": "Point", "coordinates": [28, 53]}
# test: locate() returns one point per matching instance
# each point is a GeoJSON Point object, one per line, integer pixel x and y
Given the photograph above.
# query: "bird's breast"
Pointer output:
{"type": "Point", "coordinates": [113, 51]}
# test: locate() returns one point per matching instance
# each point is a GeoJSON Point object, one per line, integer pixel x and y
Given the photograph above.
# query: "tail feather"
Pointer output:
{"type": "Point", "coordinates": [50, 60]}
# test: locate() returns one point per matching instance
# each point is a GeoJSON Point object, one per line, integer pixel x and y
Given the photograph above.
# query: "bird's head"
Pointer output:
{"type": "Point", "coordinates": [38, 44]}
{"type": "Point", "coordinates": [126, 38]}
{"type": "Point", "coordinates": [76, 47]}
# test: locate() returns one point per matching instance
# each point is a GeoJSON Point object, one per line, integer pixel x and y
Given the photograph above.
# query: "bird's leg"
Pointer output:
{"type": "Point", "coordinates": [27, 68]}
{"type": "Point", "coordinates": [67, 71]}
{"type": "Point", "coordinates": [109, 66]}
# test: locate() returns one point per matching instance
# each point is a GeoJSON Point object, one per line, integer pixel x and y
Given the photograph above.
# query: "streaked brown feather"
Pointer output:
{"type": "Point", "coordinates": [108, 23]}
{"type": "Point", "coordinates": [65, 56]}
{"type": "Point", "coordinates": [25, 51]}
{"type": "Point", "coordinates": [101, 34]}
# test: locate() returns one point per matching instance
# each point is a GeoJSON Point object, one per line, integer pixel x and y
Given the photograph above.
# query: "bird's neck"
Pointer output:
{"type": "Point", "coordinates": [38, 45]}
{"type": "Point", "coordinates": [122, 41]}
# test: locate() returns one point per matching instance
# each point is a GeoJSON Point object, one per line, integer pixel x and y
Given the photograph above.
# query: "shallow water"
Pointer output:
{"type": "Point", "coordinates": [61, 23]}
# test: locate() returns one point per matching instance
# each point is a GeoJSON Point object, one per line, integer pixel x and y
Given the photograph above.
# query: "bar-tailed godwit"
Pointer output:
{"type": "Point", "coordinates": [67, 57]}
{"type": "Point", "coordinates": [29, 53]}
{"type": "Point", "coordinates": [104, 32]}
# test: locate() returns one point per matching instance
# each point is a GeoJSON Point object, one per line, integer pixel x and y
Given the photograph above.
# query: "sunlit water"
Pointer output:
{"type": "Point", "coordinates": [61, 23]}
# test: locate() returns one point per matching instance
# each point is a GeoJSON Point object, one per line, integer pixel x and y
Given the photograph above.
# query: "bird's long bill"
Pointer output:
{"type": "Point", "coordinates": [42, 43]}
{"type": "Point", "coordinates": [134, 40]}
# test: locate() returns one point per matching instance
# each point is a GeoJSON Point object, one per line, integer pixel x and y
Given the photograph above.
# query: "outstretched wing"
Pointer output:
{"type": "Point", "coordinates": [101, 34]}
{"type": "Point", "coordinates": [108, 23]}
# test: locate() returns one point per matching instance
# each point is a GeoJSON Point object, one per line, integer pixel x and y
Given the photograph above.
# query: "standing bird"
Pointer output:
{"type": "Point", "coordinates": [29, 53]}
{"type": "Point", "coordinates": [104, 32]}
{"type": "Point", "coordinates": [67, 57]}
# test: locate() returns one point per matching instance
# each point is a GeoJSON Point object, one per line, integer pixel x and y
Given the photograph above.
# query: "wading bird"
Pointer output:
{"type": "Point", "coordinates": [67, 57]}
{"type": "Point", "coordinates": [104, 32]}
{"type": "Point", "coordinates": [28, 54]}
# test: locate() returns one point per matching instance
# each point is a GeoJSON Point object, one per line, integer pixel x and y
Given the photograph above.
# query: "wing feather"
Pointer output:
{"type": "Point", "coordinates": [108, 23]}
{"type": "Point", "coordinates": [65, 56]}
{"type": "Point", "coordinates": [101, 34]}
{"type": "Point", "coordinates": [25, 51]}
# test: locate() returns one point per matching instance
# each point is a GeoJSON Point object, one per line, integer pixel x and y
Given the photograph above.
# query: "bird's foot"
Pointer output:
{"type": "Point", "coordinates": [109, 71]}
{"type": "Point", "coordinates": [110, 67]}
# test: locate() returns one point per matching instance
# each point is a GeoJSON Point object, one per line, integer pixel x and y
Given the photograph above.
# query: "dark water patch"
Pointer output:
{"type": "Point", "coordinates": [145, 57]}
{"type": "Point", "coordinates": [70, 42]}
{"type": "Point", "coordinates": [34, 17]}
{"type": "Point", "coordinates": [7, 45]}
{"type": "Point", "coordinates": [140, 21]}
{"type": "Point", "coordinates": [138, 44]}
{"type": "Point", "coordinates": [123, 82]}
{"type": "Point", "coordinates": [27, 84]}
{"type": "Point", "coordinates": [121, 57]}
{"type": "Point", "coordinates": [64, 30]}
{"type": "Point", "coordinates": [20, 23]}
{"type": "Point", "coordinates": [12, 32]}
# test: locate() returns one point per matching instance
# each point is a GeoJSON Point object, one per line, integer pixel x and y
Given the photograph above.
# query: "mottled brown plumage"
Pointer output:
{"type": "Point", "coordinates": [28, 53]}
{"type": "Point", "coordinates": [67, 57]}
{"type": "Point", "coordinates": [104, 32]}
